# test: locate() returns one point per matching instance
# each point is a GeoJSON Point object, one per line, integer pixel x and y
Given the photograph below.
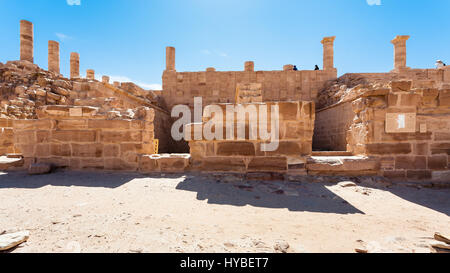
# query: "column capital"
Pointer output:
{"type": "Point", "coordinates": [327, 40]}
{"type": "Point", "coordinates": [400, 39]}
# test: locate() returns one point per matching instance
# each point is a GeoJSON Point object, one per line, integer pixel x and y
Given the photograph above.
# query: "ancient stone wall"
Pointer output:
{"type": "Point", "coordinates": [220, 87]}
{"type": "Point", "coordinates": [407, 129]}
{"type": "Point", "coordinates": [80, 138]}
{"type": "Point", "coordinates": [244, 155]}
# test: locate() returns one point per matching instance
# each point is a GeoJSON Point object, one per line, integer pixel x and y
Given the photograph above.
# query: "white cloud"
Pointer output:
{"type": "Point", "coordinates": [62, 36]}
{"type": "Point", "coordinates": [148, 86]}
{"type": "Point", "coordinates": [73, 2]}
{"type": "Point", "coordinates": [374, 2]}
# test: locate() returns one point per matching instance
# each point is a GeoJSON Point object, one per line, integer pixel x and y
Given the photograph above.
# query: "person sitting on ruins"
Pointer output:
{"type": "Point", "coordinates": [317, 67]}
{"type": "Point", "coordinates": [295, 68]}
{"type": "Point", "coordinates": [439, 64]}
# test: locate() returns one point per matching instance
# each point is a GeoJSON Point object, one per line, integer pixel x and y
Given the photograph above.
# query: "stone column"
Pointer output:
{"type": "Point", "coordinates": [249, 66]}
{"type": "Point", "coordinates": [90, 74]}
{"type": "Point", "coordinates": [170, 58]}
{"type": "Point", "coordinates": [105, 79]}
{"type": "Point", "coordinates": [74, 65]}
{"type": "Point", "coordinates": [53, 56]}
{"type": "Point", "coordinates": [26, 41]}
{"type": "Point", "coordinates": [328, 52]}
{"type": "Point", "coordinates": [399, 43]}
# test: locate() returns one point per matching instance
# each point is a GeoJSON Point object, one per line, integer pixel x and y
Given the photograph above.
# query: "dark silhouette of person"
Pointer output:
{"type": "Point", "coordinates": [317, 67]}
{"type": "Point", "coordinates": [295, 68]}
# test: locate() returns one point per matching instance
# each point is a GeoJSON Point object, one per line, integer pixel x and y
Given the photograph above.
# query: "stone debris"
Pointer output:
{"type": "Point", "coordinates": [347, 184]}
{"type": "Point", "coordinates": [281, 247]}
{"type": "Point", "coordinates": [441, 238]}
{"type": "Point", "coordinates": [11, 240]}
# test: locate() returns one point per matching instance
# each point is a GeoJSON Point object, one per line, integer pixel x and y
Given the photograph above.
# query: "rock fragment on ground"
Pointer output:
{"type": "Point", "coordinates": [11, 240]}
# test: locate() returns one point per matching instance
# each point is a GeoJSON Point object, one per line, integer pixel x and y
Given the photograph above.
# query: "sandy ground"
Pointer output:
{"type": "Point", "coordinates": [119, 212]}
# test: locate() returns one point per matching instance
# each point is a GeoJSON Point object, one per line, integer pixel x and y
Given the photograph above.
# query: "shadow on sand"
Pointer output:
{"type": "Point", "coordinates": [273, 194]}
{"type": "Point", "coordinates": [62, 178]}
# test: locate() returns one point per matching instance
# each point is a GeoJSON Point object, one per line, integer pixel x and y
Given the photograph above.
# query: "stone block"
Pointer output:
{"type": "Point", "coordinates": [388, 148]}
{"type": "Point", "coordinates": [111, 150]}
{"type": "Point", "coordinates": [109, 124]}
{"type": "Point", "coordinates": [74, 136]}
{"type": "Point", "coordinates": [43, 150]}
{"type": "Point", "coordinates": [440, 148]}
{"type": "Point", "coordinates": [293, 148]}
{"type": "Point", "coordinates": [87, 150]}
{"type": "Point", "coordinates": [69, 124]}
{"type": "Point", "coordinates": [235, 148]}
{"type": "Point", "coordinates": [444, 97]}
{"type": "Point", "coordinates": [267, 164]}
{"type": "Point", "coordinates": [63, 150]}
{"type": "Point", "coordinates": [401, 86]}
{"type": "Point", "coordinates": [148, 164]}
{"type": "Point", "coordinates": [419, 174]}
{"type": "Point", "coordinates": [121, 136]}
{"type": "Point", "coordinates": [395, 174]}
{"type": "Point", "coordinates": [222, 164]}
{"type": "Point", "coordinates": [173, 163]}
{"type": "Point", "coordinates": [288, 110]}
{"type": "Point", "coordinates": [438, 162]}
{"type": "Point", "coordinates": [410, 162]}
{"type": "Point", "coordinates": [412, 100]}
{"type": "Point", "coordinates": [442, 136]}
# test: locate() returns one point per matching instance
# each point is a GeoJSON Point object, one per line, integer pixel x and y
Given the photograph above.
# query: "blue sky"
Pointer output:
{"type": "Point", "coordinates": [126, 39]}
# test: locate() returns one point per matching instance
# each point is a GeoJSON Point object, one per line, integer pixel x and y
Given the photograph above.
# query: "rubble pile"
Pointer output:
{"type": "Point", "coordinates": [24, 87]}
{"type": "Point", "coordinates": [347, 87]}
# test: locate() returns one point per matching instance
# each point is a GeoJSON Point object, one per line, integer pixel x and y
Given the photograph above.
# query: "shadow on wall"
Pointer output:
{"type": "Point", "coordinates": [273, 194]}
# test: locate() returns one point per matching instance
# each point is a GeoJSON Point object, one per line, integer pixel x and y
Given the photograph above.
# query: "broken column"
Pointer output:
{"type": "Point", "coordinates": [26, 41]}
{"type": "Point", "coordinates": [53, 56]}
{"type": "Point", "coordinates": [249, 66]}
{"type": "Point", "coordinates": [328, 52]}
{"type": "Point", "coordinates": [399, 43]}
{"type": "Point", "coordinates": [170, 58]}
{"type": "Point", "coordinates": [90, 74]}
{"type": "Point", "coordinates": [74, 65]}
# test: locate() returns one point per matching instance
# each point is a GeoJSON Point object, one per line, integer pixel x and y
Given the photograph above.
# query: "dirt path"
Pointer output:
{"type": "Point", "coordinates": [117, 212]}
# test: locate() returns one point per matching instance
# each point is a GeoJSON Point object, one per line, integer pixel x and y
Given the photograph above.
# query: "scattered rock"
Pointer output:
{"type": "Point", "coordinates": [361, 250]}
{"type": "Point", "coordinates": [441, 238]}
{"type": "Point", "coordinates": [281, 247]}
{"type": "Point", "coordinates": [39, 168]}
{"type": "Point", "coordinates": [347, 184]}
{"type": "Point", "coordinates": [8, 241]}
